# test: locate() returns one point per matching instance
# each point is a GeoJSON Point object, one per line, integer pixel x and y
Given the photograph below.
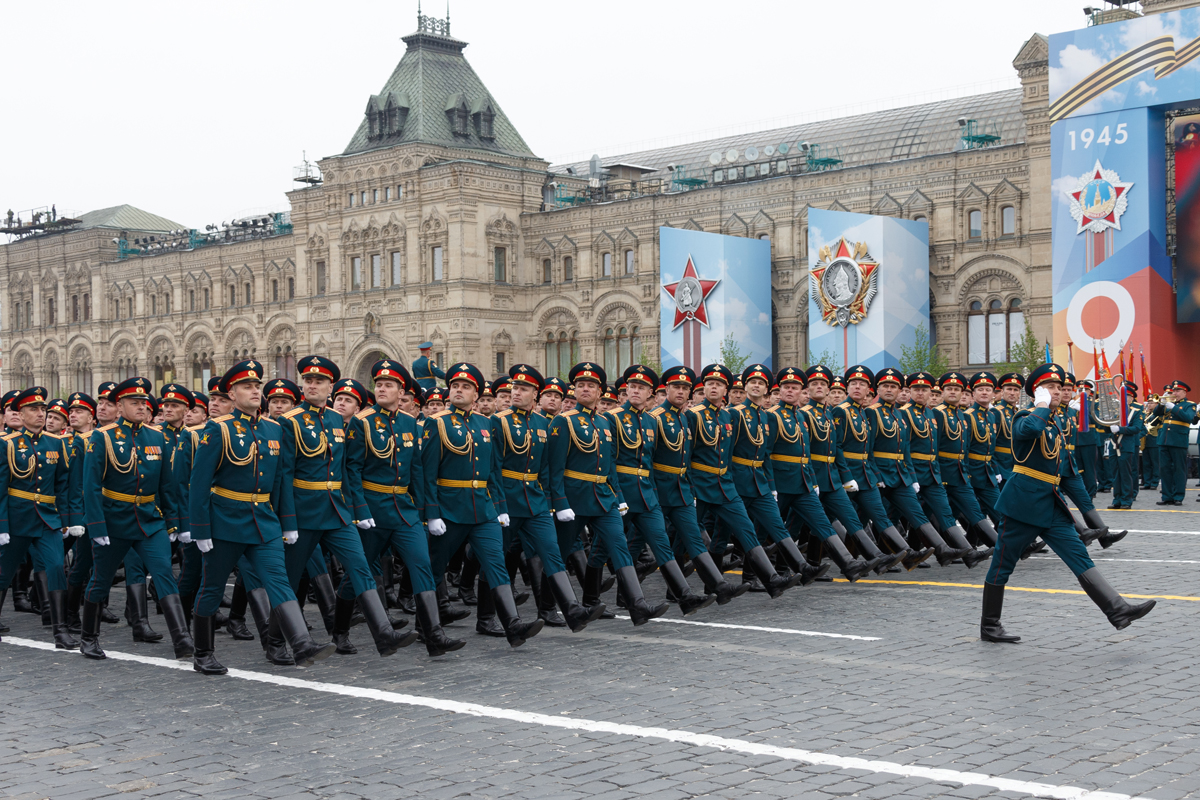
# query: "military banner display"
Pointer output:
{"type": "Point", "coordinates": [868, 287]}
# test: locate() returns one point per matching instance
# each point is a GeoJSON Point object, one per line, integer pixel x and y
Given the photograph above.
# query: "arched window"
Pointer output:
{"type": "Point", "coordinates": [202, 369]}
{"type": "Point", "coordinates": [975, 225]}
{"type": "Point", "coordinates": [50, 311]}
{"type": "Point", "coordinates": [606, 259]}
{"type": "Point", "coordinates": [285, 362]}
{"type": "Point", "coordinates": [232, 295]}
{"type": "Point", "coordinates": [919, 218]}
{"type": "Point", "coordinates": [74, 308]}
{"type": "Point", "coordinates": [562, 352]}
{"type": "Point", "coordinates": [1008, 221]}
{"type": "Point", "coordinates": [992, 332]}
{"type": "Point", "coordinates": [610, 351]}
{"type": "Point", "coordinates": [130, 303]}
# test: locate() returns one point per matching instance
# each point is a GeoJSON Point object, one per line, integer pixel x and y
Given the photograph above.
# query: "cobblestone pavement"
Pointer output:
{"type": "Point", "coordinates": [1076, 710]}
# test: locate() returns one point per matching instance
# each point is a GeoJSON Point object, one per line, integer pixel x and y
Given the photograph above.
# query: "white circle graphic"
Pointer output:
{"type": "Point", "coordinates": [1126, 316]}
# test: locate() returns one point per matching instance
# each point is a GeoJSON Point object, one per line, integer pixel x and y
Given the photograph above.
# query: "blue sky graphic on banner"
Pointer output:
{"type": "Point", "coordinates": [873, 269]}
{"type": "Point", "coordinates": [739, 302]}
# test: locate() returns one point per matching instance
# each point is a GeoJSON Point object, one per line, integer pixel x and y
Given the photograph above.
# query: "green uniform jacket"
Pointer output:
{"type": "Point", "coordinates": [1002, 414]}
{"type": "Point", "coordinates": [128, 491]}
{"type": "Point", "coordinates": [889, 445]}
{"type": "Point", "coordinates": [1175, 423]}
{"type": "Point", "coordinates": [314, 469]}
{"type": "Point", "coordinates": [712, 437]}
{"type": "Point", "coordinates": [750, 452]}
{"type": "Point", "coordinates": [822, 446]}
{"type": "Point", "coordinates": [1130, 435]}
{"type": "Point", "coordinates": [633, 452]}
{"type": "Point", "coordinates": [981, 446]}
{"type": "Point", "coordinates": [34, 480]}
{"type": "Point", "coordinates": [461, 467]}
{"type": "Point", "coordinates": [583, 475]}
{"type": "Point", "coordinates": [921, 445]}
{"type": "Point", "coordinates": [672, 454]}
{"type": "Point", "coordinates": [523, 439]}
{"type": "Point", "coordinates": [855, 444]}
{"type": "Point", "coordinates": [788, 448]}
{"type": "Point", "coordinates": [383, 455]}
{"type": "Point", "coordinates": [952, 430]}
{"type": "Point", "coordinates": [1031, 495]}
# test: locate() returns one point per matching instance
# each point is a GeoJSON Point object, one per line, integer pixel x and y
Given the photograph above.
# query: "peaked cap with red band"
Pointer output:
{"type": "Point", "coordinates": [318, 365]}
{"type": "Point", "coordinates": [462, 371]}
{"type": "Point", "coordinates": [248, 371]}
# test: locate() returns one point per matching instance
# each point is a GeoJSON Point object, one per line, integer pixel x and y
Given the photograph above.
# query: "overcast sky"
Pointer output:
{"type": "Point", "coordinates": [199, 111]}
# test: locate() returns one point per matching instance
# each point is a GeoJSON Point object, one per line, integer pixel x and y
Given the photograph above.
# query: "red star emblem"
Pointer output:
{"type": "Point", "coordinates": [700, 312]}
{"type": "Point", "coordinates": [1119, 189]}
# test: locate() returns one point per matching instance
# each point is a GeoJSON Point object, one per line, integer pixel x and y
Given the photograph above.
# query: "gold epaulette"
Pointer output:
{"type": "Point", "coordinates": [441, 413]}
{"type": "Point", "coordinates": [505, 413]}
{"type": "Point", "coordinates": [696, 406]}
{"type": "Point", "coordinates": [108, 427]}
{"type": "Point", "coordinates": [289, 414]}
{"type": "Point", "coordinates": [196, 428]}
{"type": "Point", "coordinates": [940, 407]}
{"type": "Point", "coordinates": [656, 412]}
{"type": "Point", "coordinates": [772, 409]}
{"type": "Point", "coordinates": [479, 414]}
{"type": "Point", "coordinates": [55, 435]}
{"type": "Point", "coordinates": [875, 405]}
{"type": "Point", "coordinates": [845, 404]}
{"type": "Point", "coordinates": [268, 419]}
{"type": "Point", "coordinates": [570, 413]}
{"type": "Point", "coordinates": [153, 427]}
{"type": "Point", "coordinates": [10, 436]}
{"type": "Point", "coordinates": [221, 418]}
{"type": "Point", "coordinates": [366, 412]}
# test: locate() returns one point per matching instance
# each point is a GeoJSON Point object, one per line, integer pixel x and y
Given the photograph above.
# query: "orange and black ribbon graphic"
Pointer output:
{"type": "Point", "coordinates": [1157, 54]}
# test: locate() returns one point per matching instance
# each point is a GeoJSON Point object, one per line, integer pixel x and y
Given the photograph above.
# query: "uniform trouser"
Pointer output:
{"type": "Point", "coordinates": [409, 541]}
{"type": "Point", "coordinates": [687, 530]}
{"type": "Point", "coordinates": [1173, 467]}
{"type": "Point", "coordinates": [47, 553]}
{"type": "Point", "coordinates": [1086, 455]}
{"type": "Point", "coordinates": [191, 571]}
{"type": "Point", "coordinates": [538, 538]}
{"type": "Point", "coordinates": [155, 552]}
{"type": "Point", "coordinates": [1107, 467]}
{"type": "Point", "coordinates": [810, 511]}
{"type": "Point", "coordinates": [763, 511]}
{"type": "Point", "coordinates": [934, 496]}
{"type": "Point", "coordinates": [646, 527]}
{"type": "Point", "coordinates": [965, 505]}
{"type": "Point", "coordinates": [1072, 486]}
{"type": "Point", "coordinates": [904, 499]}
{"type": "Point", "coordinates": [82, 563]}
{"type": "Point", "coordinates": [1125, 488]}
{"type": "Point", "coordinates": [316, 563]}
{"type": "Point", "coordinates": [487, 544]}
{"type": "Point", "coordinates": [266, 559]}
{"type": "Point", "coordinates": [986, 497]}
{"type": "Point", "coordinates": [343, 542]}
{"type": "Point", "coordinates": [249, 577]}
{"type": "Point", "coordinates": [1013, 536]}
{"type": "Point", "coordinates": [1150, 470]}
{"type": "Point", "coordinates": [870, 503]}
{"type": "Point", "coordinates": [608, 532]}
{"type": "Point", "coordinates": [837, 506]}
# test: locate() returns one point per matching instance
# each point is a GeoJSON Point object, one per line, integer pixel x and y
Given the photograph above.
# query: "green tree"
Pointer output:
{"type": "Point", "coordinates": [652, 363]}
{"type": "Point", "coordinates": [827, 357]}
{"type": "Point", "coordinates": [1027, 354]}
{"type": "Point", "coordinates": [731, 355]}
{"type": "Point", "coordinates": [923, 356]}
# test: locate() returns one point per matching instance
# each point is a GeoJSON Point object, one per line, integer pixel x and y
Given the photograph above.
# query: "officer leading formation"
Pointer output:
{"type": "Point", "coordinates": [365, 499]}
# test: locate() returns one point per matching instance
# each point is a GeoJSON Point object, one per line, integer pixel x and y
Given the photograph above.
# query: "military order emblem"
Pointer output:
{"type": "Point", "coordinates": [1098, 200]}
{"type": "Point", "coordinates": [690, 294]}
{"type": "Point", "coordinates": [844, 282]}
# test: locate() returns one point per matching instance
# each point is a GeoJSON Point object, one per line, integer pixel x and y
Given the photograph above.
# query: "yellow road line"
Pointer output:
{"type": "Point", "coordinates": [1155, 510]}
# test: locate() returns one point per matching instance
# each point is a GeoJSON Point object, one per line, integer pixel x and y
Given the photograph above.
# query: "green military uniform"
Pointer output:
{"type": "Point", "coordinates": [1176, 423]}
{"type": "Point", "coordinates": [1127, 439]}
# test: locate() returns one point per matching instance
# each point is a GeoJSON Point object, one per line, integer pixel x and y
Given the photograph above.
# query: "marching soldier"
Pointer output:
{"type": "Point", "coordinates": [314, 510]}
{"type": "Point", "coordinates": [128, 495]}
{"type": "Point", "coordinates": [235, 505]}
{"type": "Point", "coordinates": [1092, 527]}
{"type": "Point", "coordinates": [1086, 445]}
{"type": "Point", "coordinates": [1126, 439]}
{"type": "Point", "coordinates": [1176, 415]}
{"type": "Point", "coordinates": [1003, 411]}
{"type": "Point", "coordinates": [81, 409]}
{"type": "Point", "coordinates": [424, 370]}
{"type": "Point", "coordinates": [386, 485]}
{"type": "Point", "coordinates": [33, 482]}
{"type": "Point", "coordinates": [459, 463]}
{"type": "Point", "coordinates": [1030, 506]}
{"type": "Point", "coordinates": [985, 479]}
{"type": "Point", "coordinates": [522, 436]}
{"type": "Point", "coordinates": [502, 388]}
{"type": "Point", "coordinates": [282, 396]}
{"type": "Point", "coordinates": [953, 442]}
{"type": "Point", "coordinates": [584, 490]}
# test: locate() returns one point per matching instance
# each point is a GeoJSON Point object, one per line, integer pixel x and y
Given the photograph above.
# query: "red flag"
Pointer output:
{"type": "Point", "coordinates": [1129, 366]}
{"type": "Point", "coordinates": [1085, 412]}
{"type": "Point", "coordinates": [1107, 368]}
{"type": "Point", "coordinates": [1122, 364]}
{"type": "Point", "coordinates": [1146, 390]}
{"type": "Point", "coordinates": [1096, 361]}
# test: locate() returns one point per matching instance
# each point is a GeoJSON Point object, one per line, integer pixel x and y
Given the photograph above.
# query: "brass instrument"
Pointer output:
{"type": "Point", "coordinates": [1152, 428]}
{"type": "Point", "coordinates": [1107, 406]}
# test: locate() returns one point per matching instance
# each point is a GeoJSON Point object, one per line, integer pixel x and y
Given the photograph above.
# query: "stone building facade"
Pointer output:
{"type": "Point", "coordinates": [439, 223]}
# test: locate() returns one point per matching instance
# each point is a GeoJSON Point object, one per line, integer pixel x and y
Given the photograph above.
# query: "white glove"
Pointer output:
{"type": "Point", "coordinates": [775, 495]}
{"type": "Point", "coordinates": [66, 533]}
{"type": "Point", "coordinates": [852, 486]}
{"type": "Point", "coordinates": [204, 545]}
{"type": "Point", "coordinates": [1168, 405]}
{"type": "Point", "coordinates": [186, 537]}
{"type": "Point", "coordinates": [916, 487]}
{"type": "Point", "coordinates": [503, 520]}
{"type": "Point", "coordinates": [101, 540]}
{"type": "Point", "coordinates": [437, 526]}
{"type": "Point", "coordinates": [566, 515]}
{"type": "Point", "coordinates": [1074, 404]}
{"type": "Point", "coordinates": [1115, 428]}
{"type": "Point", "coordinates": [881, 485]}
{"type": "Point", "coordinates": [366, 524]}
{"type": "Point", "coordinates": [816, 490]}
{"type": "Point", "coordinates": [290, 537]}
{"type": "Point", "coordinates": [999, 478]}
{"type": "Point", "coordinates": [76, 530]}
{"type": "Point", "coordinates": [1041, 395]}
{"type": "Point", "coordinates": [4, 539]}
{"type": "Point", "coordinates": [623, 508]}
{"type": "Point", "coordinates": [173, 536]}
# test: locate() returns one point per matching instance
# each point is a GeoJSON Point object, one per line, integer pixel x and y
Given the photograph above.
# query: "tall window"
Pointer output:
{"type": "Point", "coordinates": [499, 259]}
{"type": "Point", "coordinates": [130, 305]}
{"type": "Point", "coordinates": [992, 332]}
{"type": "Point", "coordinates": [362, 198]}
{"type": "Point", "coordinates": [50, 311]}
{"type": "Point", "coordinates": [375, 196]}
{"type": "Point", "coordinates": [397, 277]}
{"type": "Point", "coordinates": [87, 307]}
{"type": "Point", "coordinates": [437, 264]}
{"type": "Point", "coordinates": [248, 294]}
{"type": "Point", "coordinates": [376, 272]}
{"type": "Point", "coordinates": [562, 353]}
{"type": "Point", "coordinates": [387, 194]}
{"type": "Point", "coordinates": [320, 277]}
{"type": "Point", "coordinates": [1008, 221]}
{"type": "Point", "coordinates": [291, 288]}
{"type": "Point", "coordinates": [274, 291]}
{"type": "Point", "coordinates": [568, 269]}
{"type": "Point", "coordinates": [547, 270]}
{"type": "Point", "coordinates": [206, 299]}
{"type": "Point", "coordinates": [607, 261]}
{"type": "Point", "coordinates": [352, 199]}
{"type": "Point", "coordinates": [500, 368]}
{"type": "Point", "coordinates": [285, 362]}
{"type": "Point", "coordinates": [356, 272]}
{"type": "Point", "coordinates": [154, 305]}
{"type": "Point", "coordinates": [191, 299]}
{"type": "Point", "coordinates": [74, 308]}
{"type": "Point", "coordinates": [167, 303]}
{"type": "Point", "coordinates": [975, 225]}
{"type": "Point", "coordinates": [622, 346]}
{"type": "Point", "coordinates": [628, 262]}
{"type": "Point", "coordinates": [232, 296]}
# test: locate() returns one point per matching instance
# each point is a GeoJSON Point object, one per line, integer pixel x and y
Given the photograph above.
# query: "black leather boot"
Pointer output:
{"type": "Point", "coordinates": [984, 530]}
{"type": "Point", "coordinates": [437, 643]}
{"type": "Point", "coordinates": [515, 561]}
{"type": "Point", "coordinates": [106, 616]}
{"type": "Point", "coordinates": [291, 622]}
{"type": "Point", "coordinates": [3, 594]}
{"type": "Point", "coordinates": [635, 602]}
{"type": "Point", "coordinates": [883, 562]}
{"type": "Point", "coordinates": [852, 568]}
{"type": "Point", "coordinates": [387, 639]}
{"type": "Point", "coordinates": [946, 553]}
{"type": "Point", "coordinates": [1107, 538]}
{"type": "Point", "coordinates": [899, 544]}
{"type": "Point", "coordinates": [714, 581]}
{"type": "Point", "coordinates": [273, 643]}
{"type": "Point", "coordinates": [593, 587]}
{"type": "Point", "coordinates": [181, 637]}
{"type": "Point", "coordinates": [1088, 535]}
{"type": "Point", "coordinates": [579, 561]}
{"type": "Point", "coordinates": [41, 588]}
{"type": "Point", "coordinates": [543, 597]}
{"type": "Point", "coordinates": [20, 588]}
{"type": "Point", "coordinates": [798, 564]}
{"type": "Point", "coordinates": [575, 616]}
{"type": "Point", "coordinates": [757, 562]}
{"type": "Point", "coordinates": [516, 631]}
{"type": "Point", "coordinates": [689, 601]}
{"type": "Point", "coordinates": [466, 582]}
{"type": "Point", "coordinates": [990, 629]}
{"type": "Point", "coordinates": [323, 593]}
{"type": "Point", "coordinates": [957, 537]}
{"type": "Point", "coordinates": [1119, 612]}
{"type": "Point", "coordinates": [404, 594]}
{"type": "Point", "coordinates": [237, 614]}
{"type": "Point", "coordinates": [447, 612]}
{"type": "Point", "coordinates": [58, 621]}
{"type": "Point", "coordinates": [1033, 548]}
{"type": "Point", "coordinates": [204, 660]}
{"type": "Point", "coordinates": [343, 611]}
{"type": "Point", "coordinates": [137, 609]}
{"type": "Point", "coordinates": [89, 635]}
{"type": "Point", "coordinates": [485, 613]}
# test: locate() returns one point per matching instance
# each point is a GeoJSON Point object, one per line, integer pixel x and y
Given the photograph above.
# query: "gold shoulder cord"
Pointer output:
{"type": "Point", "coordinates": [456, 450]}
{"type": "Point", "coordinates": [887, 432]}
{"type": "Point", "coordinates": [304, 449]}
{"type": "Point", "coordinates": [665, 440]}
{"type": "Point", "coordinates": [756, 441]}
{"type": "Point", "coordinates": [975, 430]}
{"type": "Point", "coordinates": [386, 453]}
{"type": "Point", "coordinates": [580, 445]}
{"type": "Point", "coordinates": [952, 433]}
{"type": "Point", "coordinates": [516, 449]}
{"type": "Point", "coordinates": [1005, 425]}
{"type": "Point", "coordinates": [706, 440]}
{"type": "Point", "coordinates": [629, 444]}
{"type": "Point", "coordinates": [30, 462]}
{"type": "Point", "coordinates": [860, 436]}
{"type": "Point", "coordinates": [227, 449]}
{"type": "Point", "coordinates": [112, 457]}
{"type": "Point", "coordinates": [1050, 455]}
{"type": "Point", "coordinates": [783, 431]}
{"type": "Point", "coordinates": [922, 433]}
{"type": "Point", "coordinates": [820, 430]}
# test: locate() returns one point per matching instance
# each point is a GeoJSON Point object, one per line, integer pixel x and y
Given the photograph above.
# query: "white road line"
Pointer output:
{"type": "Point", "coordinates": [764, 630]}
{"type": "Point", "coordinates": [1182, 533]}
{"type": "Point", "coordinates": [1129, 560]}
{"type": "Point", "coordinates": [638, 731]}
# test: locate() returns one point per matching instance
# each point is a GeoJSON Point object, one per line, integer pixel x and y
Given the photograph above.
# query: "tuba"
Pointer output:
{"type": "Point", "coordinates": [1107, 405]}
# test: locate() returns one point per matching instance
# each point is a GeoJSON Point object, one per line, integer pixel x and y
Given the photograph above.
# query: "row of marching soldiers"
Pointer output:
{"type": "Point", "coordinates": [871, 483]}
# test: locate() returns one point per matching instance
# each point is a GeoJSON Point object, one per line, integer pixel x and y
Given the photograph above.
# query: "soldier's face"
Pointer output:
{"type": "Point", "coordinates": [858, 390]}
{"type": "Point", "coordinates": [837, 395]}
{"type": "Point", "coordinates": [487, 405]}
{"type": "Point", "coordinates": [133, 409]}
{"type": "Point", "coordinates": [220, 406]}
{"type": "Point", "coordinates": [523, 397]}
{"type": "Point", "coordinates": [678, 393]}
{"type": "Point", "coordinates": [983, 395]}
{"type": "Point", "coordinates": [1180, 395]}
{"type": "Point", "coordinates": [346, 405]}
{"type": "Point", "coordinates": [408, 403]}
{"type": "Point", "coordinates": [463, 394]}
{"type": "Point", "coordinates": [247, 396]}
{"type": "Point", "coordinates": [278, 406]}
{"type": "Point", "coordinates": [921, 395]}
{"type": "Point", "coordinates": [951, 394]}
{"type": "Point", "coordinates": [194, 416]}
{"type": "Point", "coordinates": [888, 392]}
{"type": "Point", "coordinates": [503, 400]}
{"type": "Point", "coordinates": [1011, 394]}
{"type": "Point", "coordinates": [106, 411]}
{"type": "Point", "coordinates": [81, 419]}
{"type": "Point", "coordinates": [587, 392]}
{"type": "Point", "coordinates": [55, 423]}
{"type": "Point", "coordinates": [790, 392]}
{"type": "Point", "coordinates": [387, 394]}
{"type": "Point", "coordinates": [736, 395]}
{"type": "Point", "coordinates": [173, 412]}
{"type": "Point", "coordinates": [660, 396]}
{"type": "Point", "coordinates": [569, 403]}
{"type": "Point", "coordinates": [638, 394]}
{"type": "Point", "coordinates": [818, 389]}
{"type": "Point", "coordinates": [756, 388]}
{"type": "Point", "coordinates": [33, 417]}
{"type": "Point", "coordinates": [316, 389]}
{"type": "Point", "coordinates": [551, 402]}
{"type": "Point", "coordinates": [714, 390]}
{"type": "Point", "coordinates": [434, 406]}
